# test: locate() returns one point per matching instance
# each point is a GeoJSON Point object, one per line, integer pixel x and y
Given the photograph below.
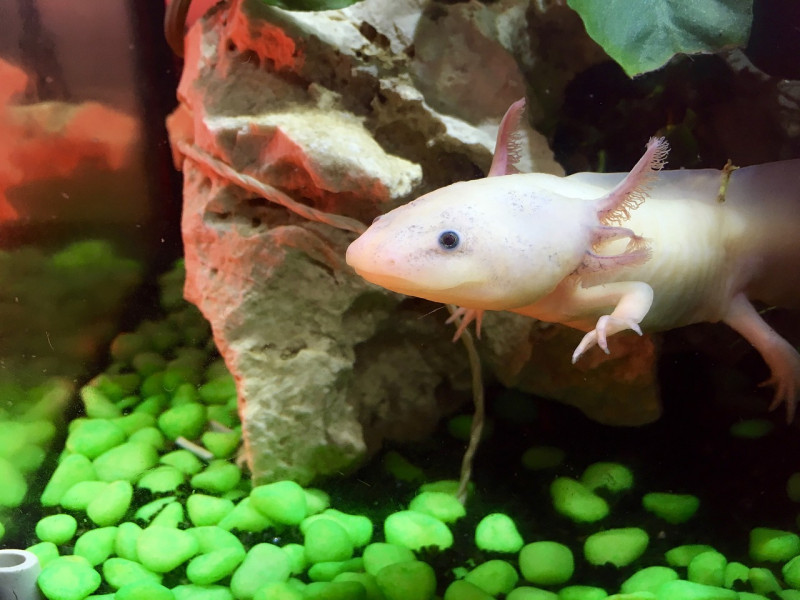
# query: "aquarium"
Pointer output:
{"type": "Point", "coordinates": [399, 300]}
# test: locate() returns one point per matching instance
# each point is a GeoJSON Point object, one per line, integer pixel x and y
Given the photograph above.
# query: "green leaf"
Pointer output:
{"type": "Point", "coordinates": [310, 4]}
{"type": "Point", "coordinates": [642, 35]}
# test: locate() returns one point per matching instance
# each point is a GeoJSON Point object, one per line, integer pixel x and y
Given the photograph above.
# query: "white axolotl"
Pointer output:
{"type": "Point", "coordinates": [604, 252]}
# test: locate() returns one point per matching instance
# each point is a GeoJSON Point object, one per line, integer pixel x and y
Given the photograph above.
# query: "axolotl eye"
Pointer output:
{"type": "Point", "coordinates": [449, 240]}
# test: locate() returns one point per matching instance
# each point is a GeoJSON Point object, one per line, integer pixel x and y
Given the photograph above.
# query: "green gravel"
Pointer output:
{"type": "Point", "coordinates": [136, 517]}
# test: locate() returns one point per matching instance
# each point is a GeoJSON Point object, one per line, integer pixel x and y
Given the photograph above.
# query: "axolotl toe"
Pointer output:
{"type": "Point", "coordinates": [648, 250]}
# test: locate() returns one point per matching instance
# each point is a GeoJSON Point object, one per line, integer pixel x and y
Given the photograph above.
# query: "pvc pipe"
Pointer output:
{"type": "Point", "coordinates": [19, 570]}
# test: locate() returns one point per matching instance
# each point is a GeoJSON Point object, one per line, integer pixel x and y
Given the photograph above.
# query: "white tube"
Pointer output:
{"type": "Point", "coordinates": [19, 570]}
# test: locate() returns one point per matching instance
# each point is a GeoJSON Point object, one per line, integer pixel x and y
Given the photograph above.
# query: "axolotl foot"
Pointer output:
{"type": "Point", "coordinates": [781, 357]}
{"type": "Point", "coordinates": [607, 325]}
{"type": "Point", "coordinates": [786, 380]}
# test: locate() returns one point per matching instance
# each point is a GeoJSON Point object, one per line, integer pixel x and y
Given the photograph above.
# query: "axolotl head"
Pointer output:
{"type": "Point", "coordinates": [496, 243]}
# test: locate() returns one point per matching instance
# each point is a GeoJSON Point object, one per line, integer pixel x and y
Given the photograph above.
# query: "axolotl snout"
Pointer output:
{"type": "Point", "coordinates": [604, 252]}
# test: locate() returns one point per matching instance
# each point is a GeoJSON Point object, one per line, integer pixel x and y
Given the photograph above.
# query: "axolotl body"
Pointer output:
{"type": "Point", "coordinates": [604, 252]}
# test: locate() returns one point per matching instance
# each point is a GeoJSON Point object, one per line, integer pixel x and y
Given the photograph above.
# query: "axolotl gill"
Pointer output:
{"type": "Point", "coordinates": [604, 252]}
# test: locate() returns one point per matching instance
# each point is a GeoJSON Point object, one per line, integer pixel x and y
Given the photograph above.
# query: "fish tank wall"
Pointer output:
{"type": "Point", "coordinates": [209, 391]}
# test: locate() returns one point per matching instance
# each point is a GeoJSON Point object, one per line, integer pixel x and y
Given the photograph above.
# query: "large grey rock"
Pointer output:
{"type": "Point", "coordinates": [350, 112]}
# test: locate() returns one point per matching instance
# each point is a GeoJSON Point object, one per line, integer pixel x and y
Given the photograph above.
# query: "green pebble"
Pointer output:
{"type": "Point", "coordinates": [619, 547]}
{"type": "Point", "coordinates": [282, 502]}
{"type": "Point", "coordinates": [127, 461]}
{"type": "Point", "coordinates": [497, 532]}
{"type": "Point", "coordinates": [460, 427]}
{"type": "Point", "coordinates": [213, 566]}
{"type": "Point", "coordinates": [752, 429]}
{"type": "Point", "coordinates": [366, 580]}
{"type": "Point", "coordinates": [673, 508]}
{"type": "Point", "coordinates": [202, 592]}
{"type": "Point", "coordinates": [297, 558]}
{"type": "Point", "coordinates": [111, 505]}
{"type": "Point", "coordinates": [687, 590]}
{"type": "Point", "coordinates": [245, 517]}
{"type": "Point", "coordinates": [340, 590]}
{"type": "Point", "coordinates": [71, 470]}
{"type": "Point", "coordinates": [791, 573]}
{"type": "Point", "coordinates": [415, 530]}
{"type": "Point", "coordinates": [773, 545]}
{"type": "Point", "coordinates": [219, 390]}
{"type": "Point", "coordinates": [207, 510]}
{"type": "Point", "coordinates": [184, 394]}
{"type": "Point", "coordinates": [212, 537]}
{"type": "Point", "coordinates": [96, 545]}
{"type": "Point", "coordinates": [577, 502]}
{"type": "Point", "coordinates": [264, 563]}
{"type": "Point", "coordinates": [151, 509]}
{"type": "Point", "coordinates": [68, 578]}
{"type": "Point", "coordinates": [464, 590]}
{"type": "Point", "coordinates": [219, 477]}
{"type": "Point", "coordinates": [134, 422]}
{"type": "Point", "coordinates": [144, 590]}
{"type": "Point", "coordinates": [126, 346]}
{"type": "Point", "coordinates": [171, 516]}
{"type": "Point", "coordinates": [125, 544]}
{"type": "Point", "coordinates": [400, 468]}
{"type": "Point", "coordinates": [409, 580]}
{"type": "Point", "coordinates": [81, 494]}
{"type": "Point", "coordinates": [40, 432]}
{"type": "Point", "coordinates": [328, 571]}
{"type": "Point", "coordinates": [119, 572]}
{"type": "Point", "coordinates": [763, 581]}
{"type": "Point", "coordinates": [221, 444]}
{"type": "Point", "coordinates": [358, 527]}
{"type": "Point", "coordinates": [793, 487]}
{"type": "Point", "coordinates": [14, 487]}
{"type": "Point", "coordinates": [538, 458]}
{"type": "Point", "coordinates": [184, 461]}
{"type": "Point", "coordinates": [29, 458]}
{"type": "Point", "coordinates": [326, 540]}
{"type": "Point", "coordinates": [681, 556]}
{"type": "Point", "coordinates": [278, 590]}
{"type": "Point", "coordinates": [148, 363]}
{"type": "Point", "coordinates": [648, 579]}
{"type": "Point", "coordinates": [94, 436]}
{"type": "Point", "coordinates": [439, 505]}
{"type": "Point", "coordinates": [380, 554]}
{"type": "Point", "coordinates": [316, 500]}
{"type": "Point", "coordinates": [58, 529]}
{"type": "Point", "coordinates": [582, 592]}
{"type": "Point", "coordinates": [531, 593]}
{"type": "Point", "coordinates": [46, 552]}
{"type": "Point", "coordinates": [610, 476]}
{"type": "Point", "coordinates": [185, 420]}
{"type": "Point", "coordinates": [97, 405]}
{"type": "Point", "coordinates": [162, 479]}
{"type": "Point", "coordinates": [162, 549]}
{"type": "Point", "coordinates": [153, 405]}
{"type": "Point", "coordinates": [223, 414]}
{"type": "Point", "coordinates": [14, 436]}
{"type": "Point", "coordinates": [494, 577]}
{"type": "Point", "coordinates": [708, 568]}
{"type": "Point", "coordinates": [546, 563]}
{"type": "Point", "coordinates": [149, 435]}
{"type": "Point", "coordinates": [735, 572]}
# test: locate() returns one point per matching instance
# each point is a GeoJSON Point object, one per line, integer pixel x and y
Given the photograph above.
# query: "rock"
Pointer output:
{"type": "Point", "coordinates": [350, 112]}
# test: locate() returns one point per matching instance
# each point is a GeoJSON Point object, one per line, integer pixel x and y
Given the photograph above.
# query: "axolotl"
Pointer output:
{"type": "Point", "coordinates": [604, 253]}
